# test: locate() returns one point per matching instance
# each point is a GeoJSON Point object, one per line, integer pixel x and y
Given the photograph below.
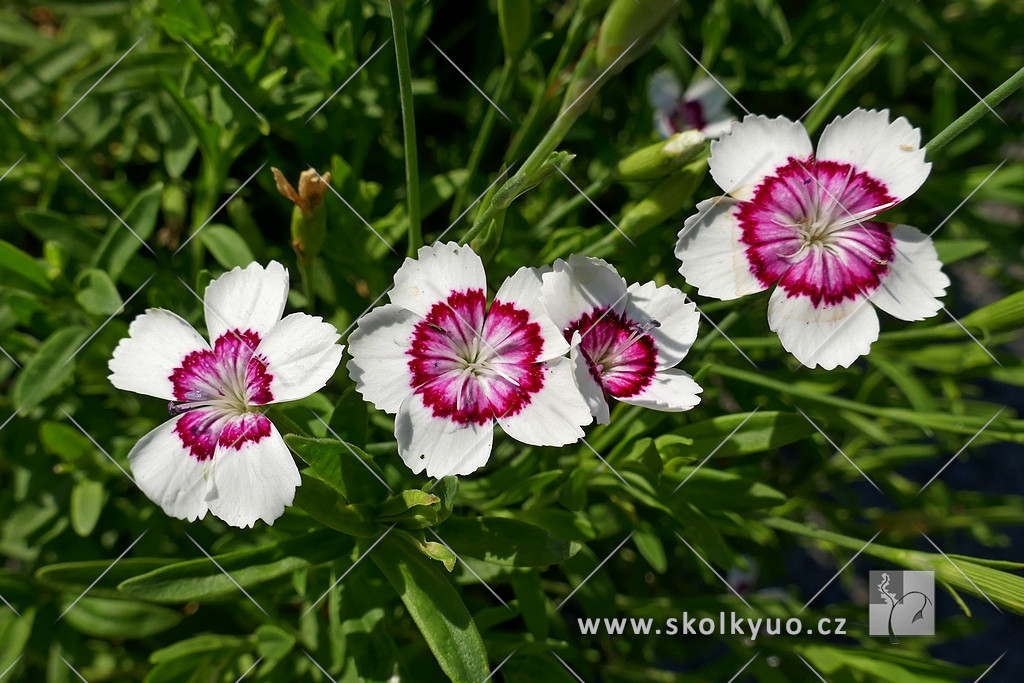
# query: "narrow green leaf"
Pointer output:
{"type": "Point", "coordinates": [97, 293]}
{"type": "Point", "coordinates": [345, 467]}
{"type": "Point", "coordinates": [49, 368]}
{"type": "Point", "coordinates": [324, 504]}
{"type": "Point", "coordinates": [120, 245]}
{"type": "Point", "coordinates": [87, 500]}
{"type": "Point", "coordinates": [711, 489]}
{"type": "Point", "coordinates": [199, 645]}
{"type": "Point", "coordinates": [226, 246]}
{"type": "Point", "coordinates": [309, 39]}
{"type": "Point", "coordinates": [20, 270]}
{"type": "Point", "coordinates": [761, 431]}
{"type": "Point", "coordinates": [951, 251]}
{"type": "Point", "coordinates": [435, 606]}
{"type": "Point", "coordinates": [201, 579]}
{"type": "Point", "coordinates": [75, 577]}
{"type": "Point", "coordinates": [505, 542]}
{"type": "Point", "coordinates": [127, 619]}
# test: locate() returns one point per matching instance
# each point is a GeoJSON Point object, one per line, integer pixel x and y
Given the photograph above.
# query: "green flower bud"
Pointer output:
{"type": "Point", "coordinates": [309, 222]}
{"type": "Point", "coordinates": [668, 198]}
{"type": "Point", "coordinates": [663, 157]}
{"type": "Point", "coordinates": [514, 22]}
{"type": "Point", "coordinates": [519, 184]}
{"type": "Point", "coordinates": [628, 22]}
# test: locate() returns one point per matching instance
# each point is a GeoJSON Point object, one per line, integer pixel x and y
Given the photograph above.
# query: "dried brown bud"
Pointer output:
{"type": "Point", "coordinates": [311, 188]}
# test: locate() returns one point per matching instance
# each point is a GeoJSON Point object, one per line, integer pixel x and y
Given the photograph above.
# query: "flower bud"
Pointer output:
{"type": "Point", "coordinates": [669, 197]}
{"type": "Point", "coordinates": [663, 157]}
{"type": "Point", "coordinates": [627, 22]}
{"type": "Point", "coordinates": [309, 226]}
{"type": "Point", "coordinates": [518, 184]}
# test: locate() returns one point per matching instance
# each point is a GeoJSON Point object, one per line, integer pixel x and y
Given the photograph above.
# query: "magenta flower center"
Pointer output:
{"type": "Point", "coordinates": [621, 356]}
{"type": "Point", "coordinates": [808, 229]}
{"type": "Point", "coordinates": [217, 389]}
{"type": "Point", "coordinates": [687, 115]}
{"type": "Point", "coordinates": [472, 365]}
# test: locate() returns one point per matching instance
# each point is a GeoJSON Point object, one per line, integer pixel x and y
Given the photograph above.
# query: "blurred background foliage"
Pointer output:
{"type": "Point", "coordinates": [136, 145]}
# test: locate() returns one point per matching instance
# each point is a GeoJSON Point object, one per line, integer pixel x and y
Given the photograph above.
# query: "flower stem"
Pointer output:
{"type": "Point", "coordinates": [482, 138]}
{"type": "Point", "coordinates": [971, 116]}
{"type": "Point", "coordinates": [307, 285]}
{"type": "Point", "coordinates": [412, 175]}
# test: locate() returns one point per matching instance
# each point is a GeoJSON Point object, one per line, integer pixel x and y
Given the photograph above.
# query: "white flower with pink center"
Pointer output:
{"type": "Point", "coordinates": [803, 222]}
{"type": "Point", "coordinates": [625, 341]}
{"type": "Point", "coordinates": [449, 366]}
{"type": "Point", "coordinates": [701, 107]}
{"type": "Point", "coordinates": [219, 453]}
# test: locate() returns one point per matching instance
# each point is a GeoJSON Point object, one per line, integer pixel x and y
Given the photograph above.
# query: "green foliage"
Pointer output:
{"type": "Point", "coordinates": [133, 175]}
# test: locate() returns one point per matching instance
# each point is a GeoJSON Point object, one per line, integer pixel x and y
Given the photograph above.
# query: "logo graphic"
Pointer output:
{"type": "Point", "coordinates": [901, 603]}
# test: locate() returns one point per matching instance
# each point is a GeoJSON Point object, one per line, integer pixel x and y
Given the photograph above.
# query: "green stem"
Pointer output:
{"type": "Point", "coordinates": [544, 95]}
{"type": "Point", "coordinates": [482, 138]}
{"type": "Point", "coordinates": [307, 285]}
{"type": "Point", "coordinates": [971, 116]}
{"type": "Point", "coordinates": [412, 174]}
{"type": "Point", "coordinates": [593, 191]}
